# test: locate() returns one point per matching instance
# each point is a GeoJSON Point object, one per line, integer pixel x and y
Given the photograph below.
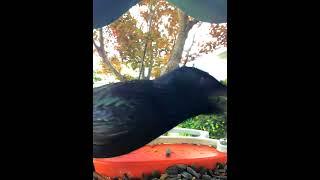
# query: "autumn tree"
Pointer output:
{"type": "Point", "coordinates": [152, 45]}
{"type": "Point", "coordinates": [109, 64]}
{"type": "Point", "coordinates": [219, 38]}
{"type": "Point", "coordinates": [147, 51]}
{"type": "Point", "coordinates": [185, 24]}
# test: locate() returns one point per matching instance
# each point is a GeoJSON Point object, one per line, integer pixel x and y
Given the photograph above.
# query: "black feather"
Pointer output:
{"type": "Point", "coordinates": [128, 115]}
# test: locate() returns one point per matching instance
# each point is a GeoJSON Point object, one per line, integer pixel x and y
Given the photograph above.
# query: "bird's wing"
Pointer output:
{"type": "Point", "coordinates": [117, 112]}
{"type": "Point", "coordinates": [111, 121]}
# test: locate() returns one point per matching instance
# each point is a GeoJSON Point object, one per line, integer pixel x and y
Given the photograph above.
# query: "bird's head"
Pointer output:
{"type": "Point", "coordinates": [201, 86]}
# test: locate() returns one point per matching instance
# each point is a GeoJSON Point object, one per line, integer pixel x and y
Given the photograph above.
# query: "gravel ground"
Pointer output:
{"type": "Point", "coordinates": [184, 172]}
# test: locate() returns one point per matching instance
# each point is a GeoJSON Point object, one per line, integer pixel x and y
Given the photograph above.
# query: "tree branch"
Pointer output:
{"type": "Point", "coordinates": [191, 24]}
{"type": "Point", "coordinates": [102, 53]}
{"type": "Point", "coordinates": [184, 27]}
{"type": "Point", "coordinates": [141, 74]}
{"type": "Point", "coordinates": [151, 65]}
{"type": "Point", "coordinates": [189, 49]}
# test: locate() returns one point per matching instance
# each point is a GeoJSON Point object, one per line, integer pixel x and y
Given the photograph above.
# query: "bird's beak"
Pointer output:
{"type": "Point", "coordinates": [219, 102]}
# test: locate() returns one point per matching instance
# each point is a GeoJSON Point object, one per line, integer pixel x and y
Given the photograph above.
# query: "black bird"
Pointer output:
{"type": "Point", "coordinates": [129, 115]}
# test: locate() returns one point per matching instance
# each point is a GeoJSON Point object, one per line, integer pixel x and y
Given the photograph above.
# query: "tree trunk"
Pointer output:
{"type": "Point", "coordinates": [102, 53]}
{"type": "Point", "coordinates": [142, 70]}
{"type": "Point", "coordinates": [184, 27]}
{"type": "Point", "coordinates": [189, 49]}
{"type": "Point", "coordinates": [150, 66]}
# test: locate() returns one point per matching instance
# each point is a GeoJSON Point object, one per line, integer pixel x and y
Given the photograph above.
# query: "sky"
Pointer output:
{"type": "Point", "coordinates": [213, 64]}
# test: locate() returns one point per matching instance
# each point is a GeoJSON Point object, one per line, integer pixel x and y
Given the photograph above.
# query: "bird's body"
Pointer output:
{"type": "Point", "coordinates": [128, 115]}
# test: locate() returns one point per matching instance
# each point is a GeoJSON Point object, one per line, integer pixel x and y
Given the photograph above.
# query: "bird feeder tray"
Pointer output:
{"type": "Point", "coordinates": [158, 156]}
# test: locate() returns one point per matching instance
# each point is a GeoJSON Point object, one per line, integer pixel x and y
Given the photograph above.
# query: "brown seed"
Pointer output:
{"type": "Point", "coordinates": [202, 170]}
{"type": "Point", "coordinates": [181, 167]}
{"type": "Point", "coordinates": [193, 172]}
{"type": "Point", "coordinates": [206, 177]}
{"type": "Point", "coordinates": [186, 175]}
{"type": "Point", "coordinates": [163, 176]}
{"type": "Point", "coordinates": [168, 152]}
{"type": "Point", "coordinates": [155, 174]}
{"type": "Point", "coordinates": [172, 170]}
{"type": "Point", "coordinates": [210, 172]}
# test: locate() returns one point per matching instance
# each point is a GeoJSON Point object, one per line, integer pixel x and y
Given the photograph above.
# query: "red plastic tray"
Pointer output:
{"type": "Point", "coordinates": [153, 157]}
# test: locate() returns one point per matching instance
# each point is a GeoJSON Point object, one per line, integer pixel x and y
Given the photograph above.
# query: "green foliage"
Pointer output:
{"type": "Point", "coordinates": [95, 77]}
{"type": "Point", "coordinates": [224, 82]}
{"type": "Point", "coordinates": [215, 124]}
{"type": "Point", "coordinates": [128, 77]}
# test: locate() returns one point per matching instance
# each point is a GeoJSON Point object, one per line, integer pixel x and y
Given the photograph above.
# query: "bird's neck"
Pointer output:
{"type": "Point", "coordinates": [179, 105]}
